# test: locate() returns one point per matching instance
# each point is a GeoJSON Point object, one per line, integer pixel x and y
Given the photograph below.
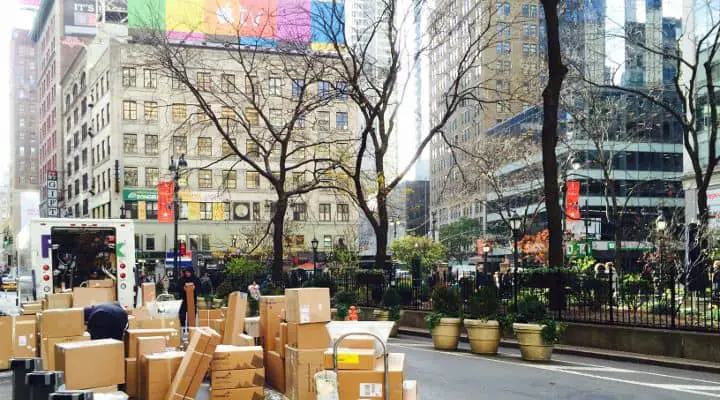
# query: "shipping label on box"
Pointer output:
{"type": "Point", "coordinates": [254, 393]}
{"type": "Point", "coordinates": [92, 364]}
{"type": "Point", "coordinates": [307, 336]}
{"type": "Point", "coordinates": [307, 305]}
{"type": "Point", "coordinates": [62, 323]}
{"type": "Point", "coordinates": [351, 359]}
{"type": "Point", "coordinates": [237, 378]}
{"type": "Point", "coordinates": [235, 357]}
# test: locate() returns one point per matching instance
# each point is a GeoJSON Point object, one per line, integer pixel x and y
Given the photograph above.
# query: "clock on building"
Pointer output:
{"type": "Point", "coordinates": [242, 211]}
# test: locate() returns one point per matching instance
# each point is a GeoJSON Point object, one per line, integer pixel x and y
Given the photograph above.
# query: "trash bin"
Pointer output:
{"type": "Point", "coordinates": [42, 384]}
{"type": "Point", "coordinates": [21, 367]}
{"type": "Point", "coordinates": [74, 395]}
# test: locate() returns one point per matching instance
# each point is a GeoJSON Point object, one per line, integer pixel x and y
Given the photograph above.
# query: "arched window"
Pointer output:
{"type": "Point", "coordinates": [82, 81]}
{"type": "Point", "coordinates": [67, 102]}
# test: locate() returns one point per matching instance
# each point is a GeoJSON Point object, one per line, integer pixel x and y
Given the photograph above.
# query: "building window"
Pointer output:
{"type": "Point", "coordinates": [131, 176]}
{"type": "Point", "coordinates": [276, 118]}
{"type": "Point", "coordinates": [529, 10]}
{"type": "Point", "coordinates": [179, 145]}
{"type": "Point", "coordinates": [151, 113]}
{"type": "Point", "coordinates": [206, 211]}
{"type": "Point", "coordinates": [151, 144]}
{"type": "Point", "coordinates": [323, 120]}
{"type": "Point", "coordinates": [230, 179]}
{"type": "Point", "coordinates": [204, 81]}
{"type": "Point", "coordinates": [204, 146]}
{"type": "Point", "coordinates": [327, 241]}
{"type": "Point", "coordinates": [251, 115]}
{"type": "Point", "coordinates": [343, 212]}
{"type": "Point", "coordinates": [130, 143]}
{"type": "Point", "coordinates": [341, 120]}
{"type": "Point", "coordinates": [324, 90]}
{"type": "Point", "coordinates": [275, 86]}
{"type": "Point", "coordinates": [251, 85]}
{"type": "Point", "coordinates": [227, 83]}
{"type": "Point", "coordinates": [152, 176]}
{"type": "Point", "coordinates": [226, 149]}
{"type": "Point", "coordinates": [342, 90]}
{"type": "Point", "coordinates": [129, 75]}
{"type": "Point", "coordinates": [150, 79]}
{"type": "Point", "coordinates": [300, 212]}
{"type": "Point", "coordinates": [252, 179]}
{"type": "Point", "coordinates": [252, 149]}
{"type": "Point", "coordinates": [325, 213]}
{"type": "Point", "coordinates": [179, 112]}
{"type": "Point", "coordinates": [297, 87]}
{"type": "Point", "coordinates": [175, 82]}
{"type": "Point", "coordinates": [85, 182]}
{"type": "Point", "coordinates": [205, 178]}
{"type": "Point", "coordinates": [129, 110]}
{"type": "Point", "coordinates": [529, 30]}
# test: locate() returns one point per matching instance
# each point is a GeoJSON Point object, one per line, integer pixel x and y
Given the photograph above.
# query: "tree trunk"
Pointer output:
{"type": "Point", "coordinates": [278, 221]}
{"type": "Point", "coordinates": [551, 102]}
{"type": "Point", "coordinates": [381, 233]}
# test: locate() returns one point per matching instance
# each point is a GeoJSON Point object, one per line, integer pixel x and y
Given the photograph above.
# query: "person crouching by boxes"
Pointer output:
{"type": "Point", "coordinates": [106, 321]}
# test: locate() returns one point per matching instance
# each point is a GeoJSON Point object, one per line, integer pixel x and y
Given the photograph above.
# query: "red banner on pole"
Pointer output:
{"type": "Point", "coordinates": [572, 201]}
{"type": "Point", "coordinates": [166, 213]}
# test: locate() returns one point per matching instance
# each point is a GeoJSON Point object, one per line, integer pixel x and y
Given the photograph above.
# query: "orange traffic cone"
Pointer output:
{"type": "Point", "coordinates": [353, 314]}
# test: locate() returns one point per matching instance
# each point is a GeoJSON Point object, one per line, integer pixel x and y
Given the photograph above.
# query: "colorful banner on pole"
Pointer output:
{"type": "Point", "coordinates": [166, 214]}
{"type": "Point", "coordinates": [572, 201]}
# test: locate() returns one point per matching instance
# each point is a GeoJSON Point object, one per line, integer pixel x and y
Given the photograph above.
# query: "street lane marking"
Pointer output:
{"type": "Point", "coordinates": [678, 388]}
{"type": "Point", "coordinates": [599, 369]}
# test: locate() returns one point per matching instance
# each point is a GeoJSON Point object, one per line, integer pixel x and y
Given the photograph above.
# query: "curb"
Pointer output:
{"type": "Point", "coordinates": [690, 365]}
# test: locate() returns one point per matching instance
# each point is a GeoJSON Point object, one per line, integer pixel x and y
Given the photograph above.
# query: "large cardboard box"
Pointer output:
{"type": "Point", "coordinates": [358, 342]}
{"type": "Point", "coordinates": [275, 371]}
{"type": "Point", "coordinates": [6, 341]}
{"type": "Point", "coordinates": [235, 318]}
{"type": "Point", "coordinates": [157, 372]}
{"type": "Point", "coordinates": [235, 357]}
{"type": "Point", "coordinates": [410, 390]}
{"type": "Point", "coordinates": [147, 345]}
{"type": "Point", "coordinates": [354, 385]}
{"type": "Point", "coordinates": [237, 378]}
{"type": "Point", "coordinates": [270, 309]}
{"type": "Point", "coordinates": [91, 364]}
{"type": "Point", "coordinates": [218, 325]}
{"type": "Point", "coordinates": [62, 323]}
{"type": "Point", "coordinates": [32, 307]}
{"type": "Point", "coordinates": [59, 300]}
{"type": "Point", "coordinates": [131, 377]}
{"type": "Point", "coordinates": [253, 393]}
{"type": "Point", "coordinates": [24, 339]}
{"type": "Point", "coordinates": [171, 336]}
{"type": "Point", "coordinates": [195, 363]}
{"type": "Point", "coordinates": [164, 323]}
{"type": "Point", "coordinates": [300, 369]}
{"type": "Point", "coordinates": [307, 305]}
{"type": "Point", "coordinates": [307, 336]}
{"type": "Point", "coordinates": [148, 292]}
{"type": "Point", "coordinates": [350, 359]}
{"type": "Point", "coordinates": [89, 296]}
{"type": "Point", "coordinates": [101, 283]}
{"type": "Point", "coordinates": [47, 348]}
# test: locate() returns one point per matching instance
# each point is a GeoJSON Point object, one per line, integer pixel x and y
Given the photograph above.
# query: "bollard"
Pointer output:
{"type": "Point", "coordinates": [21, 367]}
{"type": "Point", "coordinates": [74, 395]}
{"type": "Point", "coordinates": [42, 384]}
{"type": "Point", "coordinates": [353, 314]}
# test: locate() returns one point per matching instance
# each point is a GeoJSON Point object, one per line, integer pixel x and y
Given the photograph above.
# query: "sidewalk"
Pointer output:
{"type": "Point", "coordinates": [671, 362]}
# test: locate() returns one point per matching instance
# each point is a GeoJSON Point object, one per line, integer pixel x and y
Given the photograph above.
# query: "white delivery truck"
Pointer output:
{"type": "Point", "coordinates": [66, 252]}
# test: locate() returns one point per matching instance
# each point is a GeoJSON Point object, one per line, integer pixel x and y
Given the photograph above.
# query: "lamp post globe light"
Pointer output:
{"type": "Point", "coordinates": [486, 251]}
{"type": "Point", "coordinates": [175, 167]}
{"type": "Point", "coordinates": [515, 222]}
{"type": "Point", "coordinates": [314, 243]}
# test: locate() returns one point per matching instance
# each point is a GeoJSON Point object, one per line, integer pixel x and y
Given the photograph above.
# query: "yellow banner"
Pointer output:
{"type": "Point", "coordinates": [193, 211]}
{"type": "Point", "coordinates": [141, 210]}
{"type": "Point", "coordinates": [185, 16]}
{"type": "Point", "coordinates": [218, 211]}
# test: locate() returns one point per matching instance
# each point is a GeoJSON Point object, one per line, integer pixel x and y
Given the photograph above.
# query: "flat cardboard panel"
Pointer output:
{"type": "Point", "coordinates": [92, 364]}
{"type": "Point", "coordinates": [254, 393]}
{"type": "Point", "coordinates": [238, 378]}
{"type": "Point", "coordinates": [87, 296]}
{"type": "Point", "coordinates": [59, 300]}
{"type": "Point", "coordinates": [235, 357]}
{"type": "Point", "coordinates": [148, 292]}
{"type": "Point", "coordinates": [300, 369]}
{"type": "Point", "coordinates": [62, 323]}
{"type": "Point", "coordinates": [307, 305]}
{"type": "Point", "coordinates": [158, 371]}
{"type": "Point", "coordinates": [275, 371]}
{"type": "Point", "coordinates": [355, 385]}
{"type": "Point", "coordinates": [171, 336]}
{"type": "Point", "coordinates": [47, 348]}
{"type": "Point", "coordinates": [308, 336]}
{"type": "Point", "coordinates": [235, 318]}
{"type": "Point", "coordinates": [350, 359]}
{"type": "Point", "coordinates": [6, 341]}
{"type": "Point", "coordinates": [270, 309]}
{"type": "Point", "coordinates": [131, 377]}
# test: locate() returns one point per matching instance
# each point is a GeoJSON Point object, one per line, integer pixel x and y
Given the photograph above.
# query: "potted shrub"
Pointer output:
{"type": "Point", "coordinates": [535, 332]}
{"type": "Point", "coordinates": [390, 309]}
{"type": "Point", "coordinates": [343, 300]}
{"type": "Point", "coordinates": [445, 320]}
{"type": "Point", "coordinates": [483, 328]}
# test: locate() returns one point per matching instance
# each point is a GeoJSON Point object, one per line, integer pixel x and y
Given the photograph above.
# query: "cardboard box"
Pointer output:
{"type": "Point", "coordinates": [92, 364]}
{"type": "Point", "coordinates": [47, 348]}
{"type": "Point", "coordinates": [59, 300]}
{"type": "Point", "coordinates": [357, 342]}
{"type": "Point", "coordinates": [300, 369]}
{"type": "Point", "coordinates": [156, 372]}
{"type": "Point", "coordinates": [228, 357]}
{"type": "Point", "coordinates": [410, 390]}
{"type": "Point", "coordinates": [101, 283]}
{"type": "Point", "coordinates": [246, 340]}
{"type": "Point", "coordinates": [104, 389]}
{"type": "Point", "coordinates": [31, 308]}
{"type": "Point", "coordinates": [252, 326]}
{"type": "Point", "coordinates": [6, 341]}
{"type": "Point", "coordinates": [275, 371]}
{"type": "Point", "coordinates": [148, 292]}
{"type": "Point", "coordinates": [211, 314]}
{"type": "Point", "coordinates": [171, 336]}
{"type": "Point", "coordinates": [282, 339]}
{"type": "Point", "coordinates": [307, 305]}
{"type": "Point", "coordinates": [147, 345]}
{"type": "Point", "coordinates": [195, 363]}
{"type": "Point", "coordinates": [142, 314]}
{"type": "Point", "coordinates": [131, 377]}
{"type": "Point", "coordinates": [87, 296]}
{"type": "Point", "coordinates": [62, 323]}
{"type": "Point", "coordinates": [253, 393]}
{"type": "Point", "coordinates": [164, 323]}
{"type": "Point", "coordinates": [132, 322]}
{"type": "Point", "coordinates": [235, 318]}
{"type": "Point", "coordinates": [370, 384]}
{"type": "Point", "coordinates": [351, 359]}
{"type": "Point", "coordinates": [237, 378]}
{"type": "Point", "coordinates": [270, 309]}
{"type": "Point", "coordinates": [24, 339]}
{"type": "Point", "coordinates": [205, 323]}
{"type": "Point", "coordinates": [308, 336]}
{"type": "Point", "coordinates": [29, 317]}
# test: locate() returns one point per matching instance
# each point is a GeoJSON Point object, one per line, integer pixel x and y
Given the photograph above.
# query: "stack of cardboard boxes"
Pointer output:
{"type": "Point", "coordinates": [238, 373]}
{"type": "Point", "coordinates": [91, 365]}
{"type": "Point", "coordinates": [271, 310]}
{"type": "Point", "coordinates": [134, 372]}
{"type": "Point", "coordinates": [59, 326]}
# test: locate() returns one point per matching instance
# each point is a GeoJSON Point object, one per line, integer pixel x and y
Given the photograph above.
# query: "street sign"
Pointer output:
{"type": "Point", "coordinates": [52, 194]}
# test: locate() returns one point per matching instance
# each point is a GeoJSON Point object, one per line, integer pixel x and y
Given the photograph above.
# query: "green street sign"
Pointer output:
{"type": "Point", "coordinates": [140, 194]}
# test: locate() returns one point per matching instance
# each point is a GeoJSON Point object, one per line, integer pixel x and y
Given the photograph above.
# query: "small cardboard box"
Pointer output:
{"type": "Point", "coordinates": [351, 359]}
{"type": "Point", "coordinates": [235, 357]}
{"type": "Point", "coordinates": [300, 369]}
{"type": "Point", "coordinates": [307, 305]}
{"type": "Point", "coordinates": [234, 318]}
{"type": "Point", "coordinates": [62, 323]}
{"type": "Point", "coordinates": [147, 345]}
{"type": "Point", "coordinates": [195, 364]}
{"type": "Point", "coordinates": [47, 348]}
{"type": "Point", "coordinates": [158, 371]}
{"type": "Point", "coordinates": [6, 341]}
{"type": "Point", "coordinates": [370, 384]}
{"type": "Point", "coordinates": [307, 336]}
{"type": "Point", "coordinates": [25, 339]}
{"type": "Point", "coordinates": [270, 309]}
{"type": "Point", "coordinates": [148, 292]}
{"type": "Point", "coordinates": [34, 307]}
{"type": "Point", "coordinates": [131, 377]}
{"type": "Point", "coordinates": [237, 378]}
{"type": "Point", "coordinates": [275, 371]}
{"type": "Point", "coordinates": [171, 336]}
{"type": "Point", "coordinates": [89, 296]}
{"type": "Point", "coordinates": [101, 283]}
{"type": "Point", "coordinates": [92, 364]}
{"type": "Point", "coordinates": [59, 300]}
{"type": "Point", "coordinates": [410, 390]}
{"type": "Point", "coordinates": [253, 393]}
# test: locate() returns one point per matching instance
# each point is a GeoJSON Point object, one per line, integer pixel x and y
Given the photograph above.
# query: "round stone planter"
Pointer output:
{"type": "Point", "coordinates": [484, 336]}
{"type": "Point", "coordinates": [446, 335]}
{"type": "Point", "coordinates": [532, 347]}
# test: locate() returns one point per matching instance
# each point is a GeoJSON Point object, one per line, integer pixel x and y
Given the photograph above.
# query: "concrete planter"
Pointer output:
{"type": "Point", "coordinates": [446, 335]}
{"type": "Point", "coordinates": [384, 315]}
{"type": "Point", "coordinates": [532, 346]}
{"type": "Point", "coordinates": [484, 336]}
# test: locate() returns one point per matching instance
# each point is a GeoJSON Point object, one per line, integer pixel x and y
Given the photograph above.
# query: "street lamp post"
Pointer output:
{"type": "Point", "coordinates": [314, 243]}
{"type": "Point", "coordinates": [486, 250]}
{"type": "Point", "coordinates": [660, 226]}
{"type": "Point", "coordinates": [175, 167]}
{"type": "Point", "coordinates": [515, 222]}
